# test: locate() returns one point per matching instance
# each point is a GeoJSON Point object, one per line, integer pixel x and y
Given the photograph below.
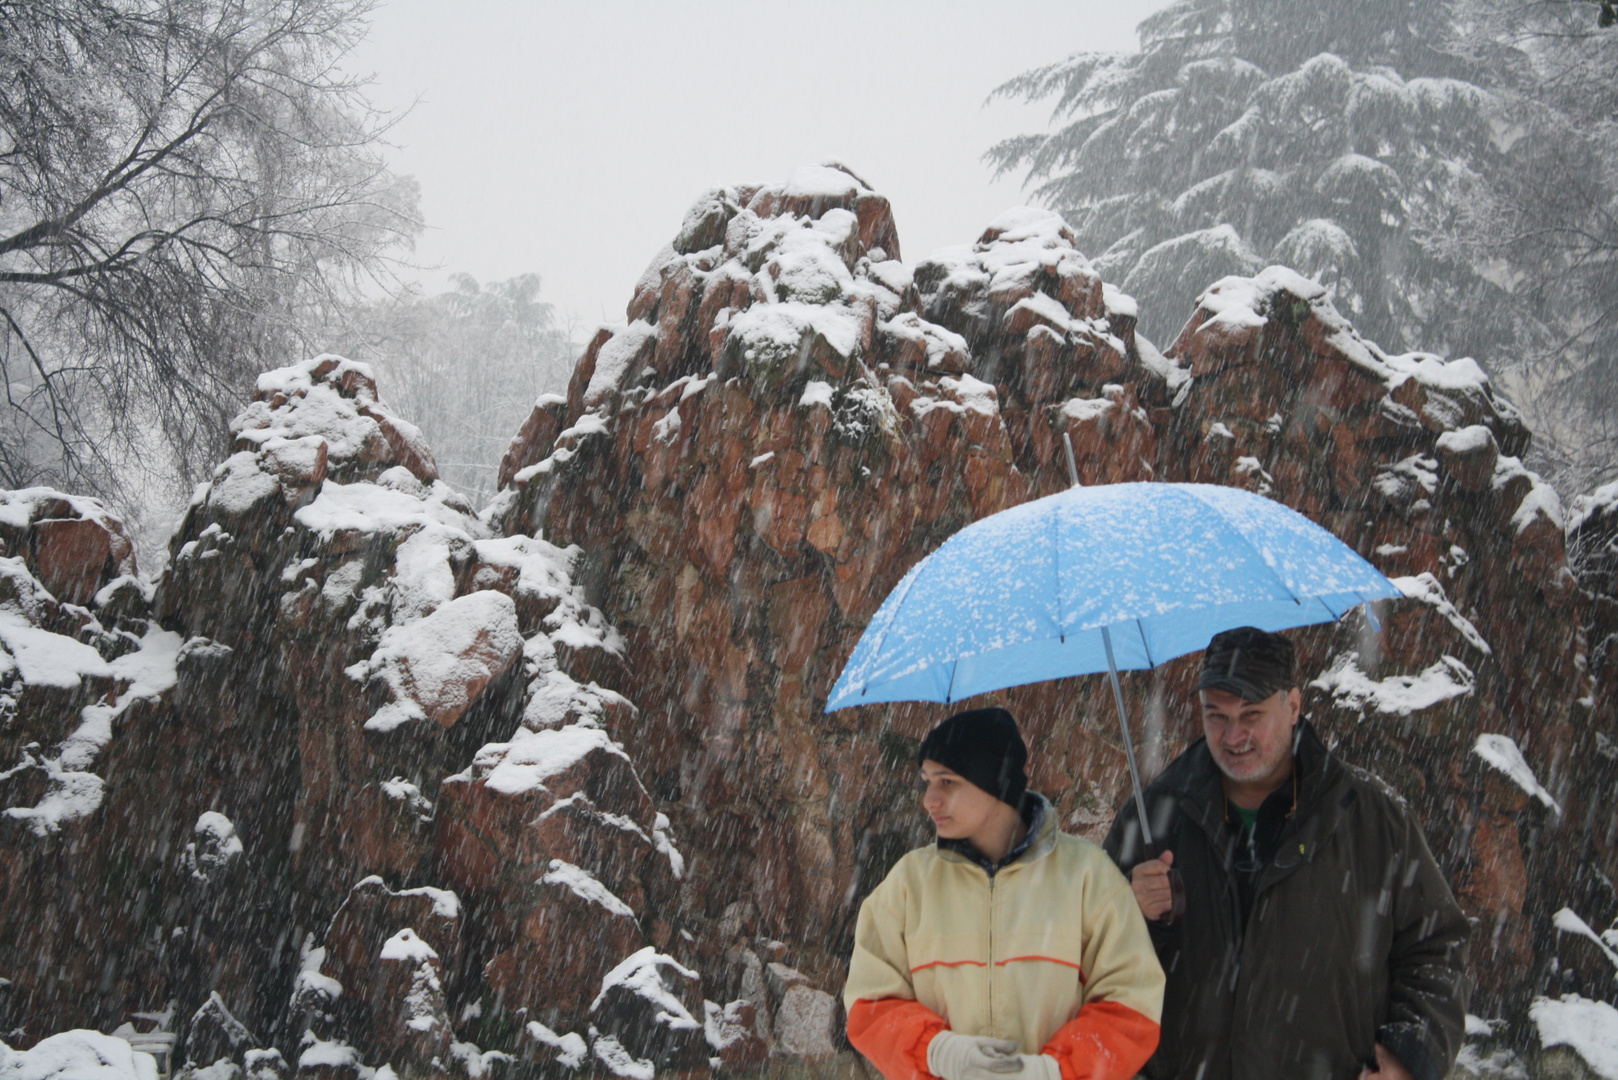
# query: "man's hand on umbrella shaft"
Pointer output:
{"type": "Point", "coordinates": [1150, 880]}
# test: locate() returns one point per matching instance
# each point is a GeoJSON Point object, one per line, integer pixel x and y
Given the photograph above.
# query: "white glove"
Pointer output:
{"type": "Point", "coordinates": [954, 1056]}
{"type": "Point", "coordinates": [1040, 1067]}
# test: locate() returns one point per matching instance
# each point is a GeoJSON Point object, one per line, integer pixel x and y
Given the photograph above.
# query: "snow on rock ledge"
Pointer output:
{"type": "Point", "coordinates": [1397, 695]}
{"type": "Point", "coordinates": [1588, 1028]}
{"type": "Point", "coordinates": [1501, 752]}
{"type": "Point", "coordinates": [332, 400]}
{"type": "Point", "coordinates": [77, 1055]}
{"type": "Point", "coordinates": [436, 666]}
{"type": "Point", "coordinates": [650, 999]}
{"type": "Point", "coordinates": [72, 666]}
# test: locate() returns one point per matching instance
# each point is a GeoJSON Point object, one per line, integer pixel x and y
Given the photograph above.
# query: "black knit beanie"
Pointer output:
{"type": "Point", "coordinates": [984, 746]}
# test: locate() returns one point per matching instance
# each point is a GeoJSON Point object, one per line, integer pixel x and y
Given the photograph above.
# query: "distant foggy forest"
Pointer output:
{"type": "Point", "coordinates": [194, 191]}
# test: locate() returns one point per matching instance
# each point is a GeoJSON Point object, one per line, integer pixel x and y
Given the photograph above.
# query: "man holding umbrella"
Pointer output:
{"type": "Point", "coordinates": [1319, 937]}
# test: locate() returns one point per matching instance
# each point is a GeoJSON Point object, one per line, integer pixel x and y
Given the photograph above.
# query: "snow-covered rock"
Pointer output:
{"type": "Point", "coordinates": [77, 1055]}
{"type": "Point", "coordinates": [78, 654]}
{"type": "Point", "coordinates": [1502, 753]}
{"type": "Point", "coordinates": [624, 656]}
{"type": "Point", "coordinates": [648, 1008]}
{"type": "Point", "coordinates": [807, 1023]}
{"type": "Point", "coordinates": [1588, 1028]}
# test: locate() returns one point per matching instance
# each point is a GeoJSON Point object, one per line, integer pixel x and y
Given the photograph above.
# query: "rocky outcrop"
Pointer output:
{"type": "Point", "coordinates": [82, 665]}
{"type": "Point", "coordinates": [367, 816]}
{"type": "Point", "coordinates": [790, 419]}
{"type": "Point", "coordinates": [410, 788]}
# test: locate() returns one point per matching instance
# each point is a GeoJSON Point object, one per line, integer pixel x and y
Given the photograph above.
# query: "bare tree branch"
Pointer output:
{"type": "Point", "coordinates": [188, 189]}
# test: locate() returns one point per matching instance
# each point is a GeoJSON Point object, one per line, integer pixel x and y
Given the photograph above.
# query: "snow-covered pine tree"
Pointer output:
{"type": "Point", "coordinates": [1547, 227]}
{"type": "Point", "coordinates": [1367, 144]}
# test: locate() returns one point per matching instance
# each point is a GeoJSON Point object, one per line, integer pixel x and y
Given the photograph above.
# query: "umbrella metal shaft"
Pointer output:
{"type": "Point", "coordinates": [1072, 467]}
{"type": "Point", "coordinates": [1129, 743]}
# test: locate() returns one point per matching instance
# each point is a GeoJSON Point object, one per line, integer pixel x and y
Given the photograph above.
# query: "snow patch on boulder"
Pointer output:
{"type": "Point", "coordinates": [821, 181]}
{"type": "Point", "coordinates": [215, 847]}
{"type": "Point", "coordinates": [334, 399]}
{"type": "Point", "coordinates": [571, 1048]}
{"type": "Point", "coordinates": [1502, 753]}
{"type": "Point", "coordinates": [1589, 1028]}
{"type": "Point", "coordinates": [772, 335]}
{"type": "Point", "coordinates": [477, 1062]}
{"type": "Point", "coordinates": [614, 358]}
{"type": "Point", "coordinates": [365, 507]}
{"type": "Point", "coordinates": [641, 974]}
{"type": "Point", "coordinates": [77, 1055]}
{"type": "Point", "coordinates": [436, 666]}
{"type": "Point", "coordinates": [531, 757]}
{"type": "Point", "coordinates": [406, 947]}
{"type": "Point", "coordinates": [1595, 504]}
{"type": "Point", "coordinates": [73, 792]}
{"type": "Point", "coordinates": [1467, 440]}
{"type": "Point", "coordinates": [1427, 589]}
{"type": "Point", "coordinates": [1438, 373]}
{"type": "Point", "coordinates": [1567, 921]}
{"type": "Point", "coordinates": [585, 886]}
{"type": "Point", "coordinates": [329, 1054]}
{"type": "Point", "coordinates": [1396, 695]}
{"type": "Point", "coordinates": [619, 1061]}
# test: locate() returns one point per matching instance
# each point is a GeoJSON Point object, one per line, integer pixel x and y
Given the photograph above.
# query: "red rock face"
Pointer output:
{"type": "Point", "coordinates": [80, 663]}
{"type": "Point", "coordinates": [553, 788]}
{"type": "Point", "coordinates": [827, 418]}
{"type": "Point", "coordinates": [374, 817]}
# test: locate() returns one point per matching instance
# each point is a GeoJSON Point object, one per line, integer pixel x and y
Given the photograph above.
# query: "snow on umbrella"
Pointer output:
{"type": "Point", "coordinates": [1039, 591]}
{"type": "Point", "coordinates": [1115, 576]}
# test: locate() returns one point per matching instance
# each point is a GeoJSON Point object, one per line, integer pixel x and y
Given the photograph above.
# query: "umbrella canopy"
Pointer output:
{"type": "Point", "coordinates": [1024, 595]}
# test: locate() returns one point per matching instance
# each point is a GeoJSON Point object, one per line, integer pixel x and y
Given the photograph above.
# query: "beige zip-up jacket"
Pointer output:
{"type": "Point", "coordinates": [1051, 952]}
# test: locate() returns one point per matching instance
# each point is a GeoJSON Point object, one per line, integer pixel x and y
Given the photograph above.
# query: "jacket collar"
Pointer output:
{"type": "Point", "coordinates": [1038, 842]}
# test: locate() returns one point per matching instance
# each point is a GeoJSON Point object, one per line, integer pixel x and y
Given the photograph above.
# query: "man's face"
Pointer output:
{"type": "Point", "coordinates": [1251, 741]}
{"type": "Point", "coordinates": [958, 807]}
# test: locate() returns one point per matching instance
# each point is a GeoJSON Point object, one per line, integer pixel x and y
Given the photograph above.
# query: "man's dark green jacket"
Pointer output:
{"type": "Point", "coordinates": [1353, 937]}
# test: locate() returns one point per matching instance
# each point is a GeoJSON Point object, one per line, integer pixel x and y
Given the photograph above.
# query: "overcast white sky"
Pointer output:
{"type": "Point", "coordinates": [569, 138]}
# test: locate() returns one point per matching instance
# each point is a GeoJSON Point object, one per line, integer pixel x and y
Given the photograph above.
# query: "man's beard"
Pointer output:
{"type": "Point", "coordinates": [1259, 767]}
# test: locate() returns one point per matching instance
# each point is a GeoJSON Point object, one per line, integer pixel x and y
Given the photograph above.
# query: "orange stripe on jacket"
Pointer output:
{"type": "Point", "coordinates": [948, 963]}
{"type": "Point", "coordinates": [894, 1034]}
{"type": "Point", "coordinates": [1106, 1041]}
{"type": "Point", "coordinates": [1048, 959]}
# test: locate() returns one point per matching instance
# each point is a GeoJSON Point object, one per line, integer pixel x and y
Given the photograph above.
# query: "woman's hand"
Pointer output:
{"type": "Point", "coordinates": [1039, 1067]}
{"type": "Point", "coordinates": [953, 1056]}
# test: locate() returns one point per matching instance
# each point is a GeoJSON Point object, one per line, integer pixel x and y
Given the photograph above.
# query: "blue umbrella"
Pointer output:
{"type": "Point", "coordinates": [1103, 578]}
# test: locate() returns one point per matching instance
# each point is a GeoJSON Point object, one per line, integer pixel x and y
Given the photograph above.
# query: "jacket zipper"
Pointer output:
{"type": "Point", "coordinates": [994, 1024]}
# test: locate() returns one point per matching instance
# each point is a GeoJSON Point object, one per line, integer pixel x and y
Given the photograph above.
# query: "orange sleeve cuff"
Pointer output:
{"type": "Point", "coordinates": [894, 1033]}
{"type": "Point", "coordinates": [1106, 1041]}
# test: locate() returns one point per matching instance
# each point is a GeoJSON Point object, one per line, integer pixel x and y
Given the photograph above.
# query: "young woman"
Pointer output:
{"type": "Point", "coordinates": [1006, 950]}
